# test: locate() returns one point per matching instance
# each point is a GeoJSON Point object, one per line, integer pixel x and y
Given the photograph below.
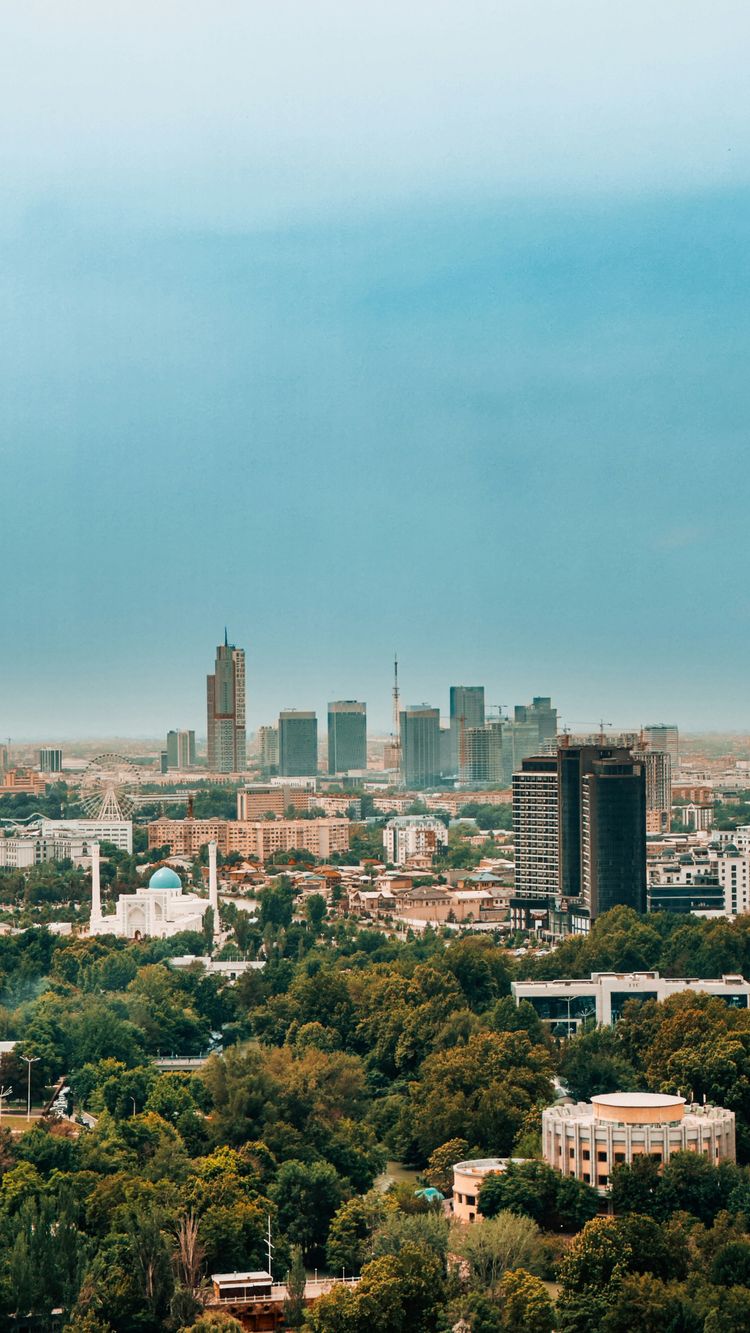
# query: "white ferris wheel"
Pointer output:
{"type": "Point", "coordinates": [109, 789]}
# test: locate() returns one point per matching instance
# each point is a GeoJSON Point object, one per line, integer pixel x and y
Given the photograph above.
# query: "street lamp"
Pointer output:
{"type": "Point", "coordinates": [30, 1060]}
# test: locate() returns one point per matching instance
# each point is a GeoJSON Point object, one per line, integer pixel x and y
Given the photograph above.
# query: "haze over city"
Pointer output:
{"type": "Point", "coordinates": [445, 352]}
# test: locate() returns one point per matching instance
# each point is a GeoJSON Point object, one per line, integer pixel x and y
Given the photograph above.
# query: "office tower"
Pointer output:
{"type": "Point", "coordinates": [658, 767]}
{"type": "Point", "coordinates": [419, 733]}
{"type": "Point", "coordinates": [163, 761]}
{"type": "Point", "coordinates": [531, 732]}
{"type": "Point", "coordinates": [536, 827]}
{"type": "Point", "coordinates": [298, 744]}
{"type": "Point", "coordinates": [466, 710]}
{"type": "Point", "coordinates": [268, 748]}
{"type": "Point", "coordinates": [4, 760]}
{"type": "Point", "coordinates": [50, 761]}
{"type": "Point", "coordinates": [347, 736]}
{"type": "Point", "coordinates": [664, 736]}
{"type": "Point", "coordinates": [181, 749]}
{"type": "Point", "coordinates": [225, 691]}
{"type": "Point", "coordinates": [483, 755]}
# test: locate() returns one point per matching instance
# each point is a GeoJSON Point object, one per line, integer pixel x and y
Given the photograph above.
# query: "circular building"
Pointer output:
{"type": "Point", "coordinates": [588, 1139]}
{"type": "Point", "coordinates": [467, 1182]}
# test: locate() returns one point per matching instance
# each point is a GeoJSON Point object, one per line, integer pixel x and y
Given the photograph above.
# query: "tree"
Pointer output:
{"type": "Point", "coordinates": [498, 1244]}
{"type": "Point", "coordinates": [525, 1303]}
{"type": "Point", "coordinates": [351, 1231]}
{"type": "Point", "coordinates": [294, 1305]}
{"type": "Point", "coordinates": [439, 1172]}
{"type": "Point", "coordinates": [731, 1265]}
{"type": "Point", "coordinates": [651, 1306]}
{"type": "Point", "coordinates": [594, 1063]}
{"type": "Point", "coordinates": [306, 1197]}
{"type": "Point", "coordinates": [554, 1201]}
{"type": "Point", "coordinates": [315, 911]}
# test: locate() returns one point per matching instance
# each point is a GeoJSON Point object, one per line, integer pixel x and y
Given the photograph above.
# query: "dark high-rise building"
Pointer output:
{"type": "Point", "coordinates": [419, 728]}
{"type": "Point", "coordinates": [298, 744]}
{"type": "Point", "coordinates": [597, 813]}
{"type": "Point", "coordinates": [466, 710]}
{"type": "Point", "coordinates": [613, 835]}
{"type": "Point", "coordinates": [347, 736]}
{"type": "Point", "coordinates": [225, 696]}
{"type": "Point", "coordinates": [50, 760]}
{"type": "Point", "coordinates": [180, 749]}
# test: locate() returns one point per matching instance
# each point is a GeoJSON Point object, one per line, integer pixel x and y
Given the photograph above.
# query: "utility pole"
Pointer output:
{"type": "Point", "coordinates": [30, 1060]}
{"type": "Point", "coordinates": [270, 1247]}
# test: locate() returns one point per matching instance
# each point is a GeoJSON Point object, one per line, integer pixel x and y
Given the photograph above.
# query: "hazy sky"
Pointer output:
{"type": "Point", "coordinates": [371, 326]}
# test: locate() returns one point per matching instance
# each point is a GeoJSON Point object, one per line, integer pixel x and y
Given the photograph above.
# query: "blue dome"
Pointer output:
{"type": "Point", "coordinates": [164, 878]}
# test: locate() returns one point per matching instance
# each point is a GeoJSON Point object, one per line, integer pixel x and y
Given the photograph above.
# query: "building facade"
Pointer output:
{"type": "Point", "coordinates": [536, 827]}
{"type": "Point", "coordinates": [50, 760]}
{"type": "Point", "coordinates": [347, 736]}
{"type": "Point", "coordinates": [413, 835]}
{"type": "Point", "coordinates": [261, 799]}
{"type": "Point", "coordinates": [664, 736]}
{"type": "Point", "coordinates": [268, 749]}
{"type": "Point", "coordinates": [468, 1178]}
{"type": "Point", "coordinates": [298, 744]}
{"type": "Point", "coordinates": [589, 1139]}
{"type": "Point", "coordinates": [564, 1005]}
{"type": "Point", "coordinates": [225, 711]}
{"type": "Point", "coordinates": [251, 838]}
{"type": "Point", "coordinates": [117, 831]}
{"type": "Point", "coordinates": [658, 769]}
{"type": "Point", "coordinates": [420, 746]}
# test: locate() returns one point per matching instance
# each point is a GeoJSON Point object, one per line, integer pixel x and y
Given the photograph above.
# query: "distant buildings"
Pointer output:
{"type": "Point", "coordinates": [413, 835]}
{"type": "Point", "coordinates": [493, 751]}
{"type": "Point", "coordinates": [181, 750]}
{"type": "Point", "coordinates": [664, 736]}
{"type": "Point", "coordinates": [225, 702]}
{"type": "Point", "coordinates": [298, 744]}
{"type": "Point", "coordinates": [599, 823]}
{"type": "Point", "coordinates": [347, 736]}
{"type": "Point", "coordinates": [22, 782]}
{"type": "Point", "coordinates": [482, 754]}
{"type": "Point", "coordinates": [117, 831]}
{"type": "Point", "coordinates": [658, 766]}
{"type": "Point", "coordinates": [420, 745]}
{"type": "Point", "coordinates": [259, 800]}
{"type": "Point", "coordinates": [50, 760]}
{"type": "Point", "coordinates": [589, 1139]}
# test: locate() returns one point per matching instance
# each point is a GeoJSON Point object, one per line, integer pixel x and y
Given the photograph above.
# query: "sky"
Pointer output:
{"type": "Point", "coordinates": [360, 328]}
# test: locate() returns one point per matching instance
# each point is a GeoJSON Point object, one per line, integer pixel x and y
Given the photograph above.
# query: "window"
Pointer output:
{"type": "Point", "coordinates": [601, 1156]}
{"type": "Point", "coordinates": [471, 1199]}
{"type": "Point", "coordinates": [619, 1157]}
{"type": "Point", "coordinates": [586, 1155]}
{"type": "Point", "coordinates": [587, 1177]}
{"type": "Point", "coordinates": [602, 1180]}
{"type": "Point", "coordinates": [572, 1152]}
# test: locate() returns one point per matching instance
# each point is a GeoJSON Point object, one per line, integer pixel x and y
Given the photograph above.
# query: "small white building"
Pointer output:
{"type": "Point", "coordinates": [567, 1003]}
{"type": "Point", "coordinates": [406, 836]}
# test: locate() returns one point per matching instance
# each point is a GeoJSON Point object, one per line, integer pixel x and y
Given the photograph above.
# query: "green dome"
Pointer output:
{"type": "Point", "coordinates": [164, 878]}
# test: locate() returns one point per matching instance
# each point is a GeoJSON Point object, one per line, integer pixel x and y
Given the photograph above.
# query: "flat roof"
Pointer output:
{"type": "Point", "coordinates": [637, 1099]}
{"type": "Point", "coordinates": [241, 1277]}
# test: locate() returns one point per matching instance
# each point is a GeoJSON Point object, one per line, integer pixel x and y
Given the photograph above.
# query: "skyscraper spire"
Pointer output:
{"type": "Point", "coordinates": [226, 638]}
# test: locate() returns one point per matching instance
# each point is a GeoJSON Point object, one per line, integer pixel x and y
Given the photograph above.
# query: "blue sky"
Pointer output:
{"type": "Point", "coordinates": [358, 329]}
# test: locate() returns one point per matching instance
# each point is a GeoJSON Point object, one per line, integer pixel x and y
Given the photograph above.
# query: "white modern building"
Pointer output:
{"type": "Point", "coordinates": [413, 835]}
{"type": "Point", "coordinates": [19, 853]}
{"type": "Point", "coordinates": [159, 909]}
{"type": "Point", "coordinates": [566, 1004]}
{"type": "Point", "coordinates": [588, 1139]}
{"type": "Point", "coordinates": [117, 831]}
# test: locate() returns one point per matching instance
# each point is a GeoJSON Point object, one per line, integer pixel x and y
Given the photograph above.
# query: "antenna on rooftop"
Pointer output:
{"type": "Point", "coordinates": [270, 1247]}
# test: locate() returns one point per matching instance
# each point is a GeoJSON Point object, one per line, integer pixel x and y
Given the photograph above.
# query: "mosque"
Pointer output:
{"type": "Point", "coordinates": [157, 910]}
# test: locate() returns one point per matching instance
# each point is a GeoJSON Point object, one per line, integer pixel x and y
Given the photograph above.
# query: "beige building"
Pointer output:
{"type": "Point", "coordinates": [254, 838]}
{"type": "Point", "coordinates": [588, 1139]}
{"type": "Point", "coordinates": [259, 800]}
{"type": "Point", "coordinates": [467, 1182]}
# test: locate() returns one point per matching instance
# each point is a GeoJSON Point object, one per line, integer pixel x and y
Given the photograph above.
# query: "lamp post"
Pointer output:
{"type": "Point", "coordinates": [30, 1060]}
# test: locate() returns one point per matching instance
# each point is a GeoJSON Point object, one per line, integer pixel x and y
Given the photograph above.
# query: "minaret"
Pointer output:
{"type": "Point", "coordinates": [96, 892]}
{"type": "Point", "coordinates": [213, 885]}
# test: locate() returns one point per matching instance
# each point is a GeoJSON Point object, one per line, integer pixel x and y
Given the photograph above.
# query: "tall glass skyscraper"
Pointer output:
{"type": "Point", "coordinates": [466, 710]}
{"type": "Point", "coordinates": [298, 744]}
{"type": "Point", "coordinates": [420, 745]}
{"type": "Point", "coordinates": [347, 736]}
{"type": "Point", "coordinates": [225, 698]}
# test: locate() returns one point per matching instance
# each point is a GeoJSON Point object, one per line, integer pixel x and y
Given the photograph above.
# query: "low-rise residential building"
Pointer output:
{"type": "Point", "coordinates": [413, 835]}
{"type": "Point", "coordinates": [22, 782]}
{"type": "Point", "coordinates": [253, 838]}
{"type": "Point", "coordinates": [588, 1139]}
{"type": "Point", "coordinates": [566, 1004]}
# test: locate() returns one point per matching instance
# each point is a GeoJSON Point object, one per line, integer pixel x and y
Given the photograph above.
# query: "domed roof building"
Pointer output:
{"type": "Point", "coordinates": [158, 909]}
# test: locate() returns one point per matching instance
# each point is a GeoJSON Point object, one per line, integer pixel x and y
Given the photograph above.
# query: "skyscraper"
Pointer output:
{"type": "Point", "coordinates": [50, 760]}
{"type": "Point", "coordinates": [466, 710]}
{"type": "Point", "coordinates": [536, 827]}
{"type": "Point", "coordinates": [664, 736]}
{"type": "Point", "coordinates": [225, 693]}
{"type": "Point", "coordinates": [347, 736]}
{"type": "Point", "coordinates": [180, 749]}
{"type": "Point", "coordinates": [298, 744]}
{"type": "Point", "coordinates": [419, 729]}
{"type": "Point", "coordinates": [268, 748]}
{"type": "Point", "coordinates": [658, 766]}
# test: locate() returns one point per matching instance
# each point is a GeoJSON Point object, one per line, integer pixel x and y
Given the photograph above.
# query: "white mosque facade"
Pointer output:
{"type": "Point", "coordinates": [158, 910]}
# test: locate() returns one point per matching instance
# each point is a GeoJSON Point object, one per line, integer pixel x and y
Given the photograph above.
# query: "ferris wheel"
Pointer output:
{"type": "Point", "coordinates": [109, 789]}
